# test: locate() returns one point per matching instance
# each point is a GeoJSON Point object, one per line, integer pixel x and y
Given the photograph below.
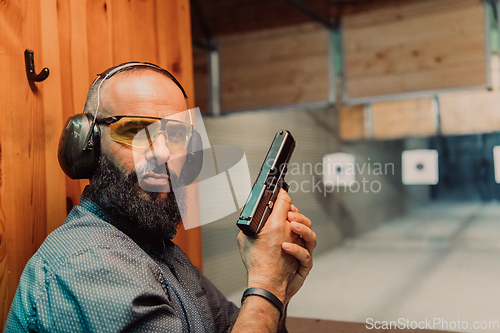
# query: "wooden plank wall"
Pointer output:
{"type": "Point", "coordinates": [414, 46]}
{"type": "Point", "coordinates": [411, 117]}
{"type": "Point", "coordinates": [352, 122]}
{"type": "Point", "coordinates": [469, 112]}
{"type": "Point", "coordinates": [408, 46]}
{"type": "Point", "coordinates": [389, 120]}
{"type": "Point", "coordinates": [76, 40]}
{"type": "Point", "coordinates": [23, 191]}
{"type": "Point", "coordinates": [461, 112]}
{"type": "Point", "coordinates": [275, 67]}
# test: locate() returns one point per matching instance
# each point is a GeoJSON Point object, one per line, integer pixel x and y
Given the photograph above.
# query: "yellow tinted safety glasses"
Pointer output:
{"type": "Point", "coordinates": [141, 132]}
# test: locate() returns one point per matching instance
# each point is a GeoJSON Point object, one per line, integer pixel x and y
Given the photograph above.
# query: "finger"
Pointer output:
{"type": "Point", "coordinates": [297, 217]}
{"type": "Point", "coordinates": [308, 236]}
{"type": "Point", "coordinates": [301, 254]}
{"type": "Point", "coordinates": [294, 209]}
{"type": "Point", "coordinates": [281, 206]}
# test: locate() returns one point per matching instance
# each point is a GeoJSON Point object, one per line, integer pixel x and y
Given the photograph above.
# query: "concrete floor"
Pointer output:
{"type": "Point", "coordinates": [441, 262]}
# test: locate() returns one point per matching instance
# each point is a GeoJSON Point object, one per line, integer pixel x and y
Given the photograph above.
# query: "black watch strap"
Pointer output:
{"type": "Point", "coordinates": [267, 295]}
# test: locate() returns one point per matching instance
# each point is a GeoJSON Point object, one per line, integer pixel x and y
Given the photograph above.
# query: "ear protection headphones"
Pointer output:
{"type": "Point", "coordinates": [79, 144]}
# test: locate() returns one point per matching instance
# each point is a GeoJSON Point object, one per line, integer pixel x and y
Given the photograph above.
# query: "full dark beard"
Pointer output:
{"type": "Point", "coordinates": [120, 196]}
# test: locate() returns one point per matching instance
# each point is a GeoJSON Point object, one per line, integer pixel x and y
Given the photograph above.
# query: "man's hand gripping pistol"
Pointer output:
{"type": "Point", "coordinates": [271, 179]}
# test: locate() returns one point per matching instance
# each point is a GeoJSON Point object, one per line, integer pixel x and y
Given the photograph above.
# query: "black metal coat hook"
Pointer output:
{"type": "Point", "coordinates": [29, 60]}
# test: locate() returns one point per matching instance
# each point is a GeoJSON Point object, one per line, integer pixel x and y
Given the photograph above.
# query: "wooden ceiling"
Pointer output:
{"type": "Point", "coordinates": [213, 18]}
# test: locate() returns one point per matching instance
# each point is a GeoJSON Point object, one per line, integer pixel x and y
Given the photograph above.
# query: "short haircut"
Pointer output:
{"type": "Point", "coordinates": [91, 103]}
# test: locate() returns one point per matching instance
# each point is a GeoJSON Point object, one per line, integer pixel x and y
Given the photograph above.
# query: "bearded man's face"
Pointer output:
{"type": "Point", "coordinates": [136, 183]}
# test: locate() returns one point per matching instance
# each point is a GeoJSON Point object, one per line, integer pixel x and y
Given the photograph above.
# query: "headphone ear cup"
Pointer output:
{"type": "Point", "coordinates": [75, 161]}
{"type": "Point", "coordinates": [194, 160]}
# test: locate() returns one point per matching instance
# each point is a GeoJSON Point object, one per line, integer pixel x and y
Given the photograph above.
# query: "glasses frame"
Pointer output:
{"type": "Point", "coordinates": [113, 119]}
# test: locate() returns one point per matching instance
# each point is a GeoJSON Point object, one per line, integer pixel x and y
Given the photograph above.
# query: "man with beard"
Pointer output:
{"type": "Point", "coordinates": [112, 265]}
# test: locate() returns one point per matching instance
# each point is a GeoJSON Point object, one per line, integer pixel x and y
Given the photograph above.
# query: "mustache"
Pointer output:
{"type": "Point", "coordinates": [161, 169]}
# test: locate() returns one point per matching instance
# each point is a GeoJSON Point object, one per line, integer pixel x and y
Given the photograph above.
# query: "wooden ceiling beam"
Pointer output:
{"type": "Point", "coordinates": [315, 15]}
{"type": "Point", "coordinates": [226, 17]}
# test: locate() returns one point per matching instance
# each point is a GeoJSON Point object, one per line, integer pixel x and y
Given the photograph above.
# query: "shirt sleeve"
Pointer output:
{"type": "Point", "coordinates": [223, 311]}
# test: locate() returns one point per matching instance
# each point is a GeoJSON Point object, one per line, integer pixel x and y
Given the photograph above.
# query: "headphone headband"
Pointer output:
{"type": "Point", "coordinates": [114, 70]}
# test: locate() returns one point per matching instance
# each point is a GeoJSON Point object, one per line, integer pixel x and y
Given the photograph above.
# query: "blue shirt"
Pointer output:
{"type": "Point", "coordinates": [97, 273]}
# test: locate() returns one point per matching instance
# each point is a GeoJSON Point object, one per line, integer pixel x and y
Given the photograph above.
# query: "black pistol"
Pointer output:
{"type": "Point", "coordinates": [271, 179]}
